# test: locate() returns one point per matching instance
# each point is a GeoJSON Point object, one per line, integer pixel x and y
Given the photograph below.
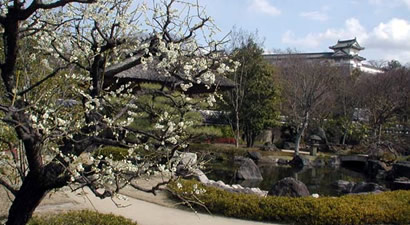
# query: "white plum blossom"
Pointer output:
{"type": "Point", "coordinates": [80, 104]}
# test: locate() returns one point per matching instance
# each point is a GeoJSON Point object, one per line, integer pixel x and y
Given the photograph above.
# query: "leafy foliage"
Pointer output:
{"type": "Point", "coordinates": [256, 97]}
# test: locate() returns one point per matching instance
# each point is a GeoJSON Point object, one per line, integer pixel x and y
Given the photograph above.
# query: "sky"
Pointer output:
{"type": "Point", "coordinates": [381, 26]}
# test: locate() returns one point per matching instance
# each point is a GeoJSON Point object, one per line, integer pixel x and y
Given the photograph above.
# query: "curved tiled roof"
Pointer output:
{"type": "Point", "coordinates": [151, 74]}
{"type": "Point", "coordinates": [351, 43]}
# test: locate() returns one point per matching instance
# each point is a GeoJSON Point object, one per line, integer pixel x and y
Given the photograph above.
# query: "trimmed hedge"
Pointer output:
{"type": "Point", "coordinates": [383, 208]}
{"type": "Point", "coordinates": [84, 217]}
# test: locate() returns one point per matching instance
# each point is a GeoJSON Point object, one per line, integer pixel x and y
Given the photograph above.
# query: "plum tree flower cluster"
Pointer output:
{"type": "Point", "coordinates": [63, 99]}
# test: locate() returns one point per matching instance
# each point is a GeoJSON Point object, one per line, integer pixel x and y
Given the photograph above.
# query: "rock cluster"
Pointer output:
{"type": "Point", "coordinates": [199, 175]}
{"type": "Point", "coordinates": [349, 187]}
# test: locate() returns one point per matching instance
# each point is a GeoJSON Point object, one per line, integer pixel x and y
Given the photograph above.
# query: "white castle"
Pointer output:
{"type": "Point", "coordinates": [345, 54]}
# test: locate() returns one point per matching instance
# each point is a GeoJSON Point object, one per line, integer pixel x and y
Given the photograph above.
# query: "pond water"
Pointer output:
{"type": "Point", "coordinates": [317, 179]}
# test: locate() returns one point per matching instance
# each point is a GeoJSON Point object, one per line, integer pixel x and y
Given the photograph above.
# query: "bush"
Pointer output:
{"type": "Point", "coordinates": [117, 153]}
{"type": "Point", "coordinates": [84, 217]}
{"type": "Point", "coordinates": [384, 208]}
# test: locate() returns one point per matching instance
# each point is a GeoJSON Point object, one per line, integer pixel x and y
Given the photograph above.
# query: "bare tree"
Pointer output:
{"type": "Point", "coordinates": [305, 86]}
{"type": "Point", "coordinates": [385, 96]}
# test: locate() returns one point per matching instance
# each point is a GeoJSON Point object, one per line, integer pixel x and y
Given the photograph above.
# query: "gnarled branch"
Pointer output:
{"type": "Point", "coordinates": [38, 4]}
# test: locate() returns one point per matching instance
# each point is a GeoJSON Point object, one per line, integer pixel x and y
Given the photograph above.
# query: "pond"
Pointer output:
{"type": "Point", "coordinates": [317, 179]}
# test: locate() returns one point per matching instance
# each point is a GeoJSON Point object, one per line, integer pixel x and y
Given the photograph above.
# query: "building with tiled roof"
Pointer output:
{"type": "Point", "coordinates": [345, 54]}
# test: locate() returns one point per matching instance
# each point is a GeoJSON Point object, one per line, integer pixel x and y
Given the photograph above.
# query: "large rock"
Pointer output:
{"type": "Point", "coordinates": [347, 187]}
{"type": "Point", "coordinates": [248, 171]}
{"type": "Point", "coordinates": [382, 151]}
{"type": "Point", "coordinates": [255, 156]}
{"type": "Point", "coordinates": [300, 161]}
{"type": "Point", "coordinates": [343, 186]}
{"type": "Point", "coordinates": [186, 159]}
{"type": "Point", "coordinates": [200, 176]}
{"type": "Point", "coordinates": [289, 187]}
{"type": "Point", "coordinates": [265, 136]}
{"type": "Point", "coordinates": [270, 147]}
{"type": "Point", "coordinates": [364, 187]}
{"type": "Point", "coordinates": [321, 133]}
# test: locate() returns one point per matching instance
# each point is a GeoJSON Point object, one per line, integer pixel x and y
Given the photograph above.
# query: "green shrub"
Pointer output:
{"type": "Point", "coordinates": [117, 153]}
{"type": "Point", "coordinates": [384, 208]}
{"type": "Point", "coordinates": [84, 217]}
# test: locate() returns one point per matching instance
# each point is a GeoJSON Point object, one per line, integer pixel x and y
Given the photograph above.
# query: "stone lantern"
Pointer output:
{"type": "Point", "coordinates": [315, 144]}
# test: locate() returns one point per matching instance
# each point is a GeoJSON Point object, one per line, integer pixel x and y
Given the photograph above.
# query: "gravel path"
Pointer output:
{"type": "Point", "coordinates": [145, 213]}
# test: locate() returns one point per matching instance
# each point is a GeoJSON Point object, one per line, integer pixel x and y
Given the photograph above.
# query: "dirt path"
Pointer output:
{"type": "Point", "coordinates": [144, 208]}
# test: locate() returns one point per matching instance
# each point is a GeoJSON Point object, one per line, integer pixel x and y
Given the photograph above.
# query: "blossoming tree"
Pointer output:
{"type": "Point", "coordinates": [62, 97]}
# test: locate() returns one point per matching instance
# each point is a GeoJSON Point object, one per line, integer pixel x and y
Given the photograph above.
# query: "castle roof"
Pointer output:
{"type": "Point", "coordinates": [351, 43]}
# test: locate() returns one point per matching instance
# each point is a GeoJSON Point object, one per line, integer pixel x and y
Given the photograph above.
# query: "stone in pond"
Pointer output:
{"type": "Point", "coordinates": [289, 187]}
{"type": "Point", "coordinates": [248, 171]}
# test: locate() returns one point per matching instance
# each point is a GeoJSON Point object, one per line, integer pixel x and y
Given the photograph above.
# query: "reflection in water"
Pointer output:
{"type": "Point", "coordinates": [318, 180]}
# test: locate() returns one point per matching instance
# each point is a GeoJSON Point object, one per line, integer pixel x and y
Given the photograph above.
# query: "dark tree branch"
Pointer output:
{"type": "Point", "coordinates": [124, 110]}
{"type": "Point", "coordinates": [110, 142]}
{"type": "Point", "coordinates": [193, 29]}
{"type": "Point", "coordinates": [54, 73]}
{"type": "Point", "coordinates": [67, 59]}
{"type": "Point", "coordinates": [113, 71]}
{"type": "Point", "coordinates": [4, 108]}
{"type": "Point", "coordinates": [37, 4]}
{"type": "Point", "coordinates": [143, 133]}
{"type": "Point", "coordinates": [153, 189]}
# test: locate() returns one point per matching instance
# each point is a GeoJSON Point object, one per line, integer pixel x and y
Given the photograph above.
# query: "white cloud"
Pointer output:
{"type": "Point", "coordinates": [390, 3]}
{"type": "Point", "coordinates": [315, 15]}
{"type": "Point", "coordinates": [352, 28]}
{"type": "Point", "coordinates": [388, 40]}
{"type": "Point", "coordinates": [265, 7]}
{"type": "Point", "coordinates": [406, 2]}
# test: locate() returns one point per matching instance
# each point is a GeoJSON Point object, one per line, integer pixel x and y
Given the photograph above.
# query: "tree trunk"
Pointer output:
{"type": "Point", "coordinates": [249, 140]}
{"type": "Point", "coordinates": [27, 199]}
{"type": "Point", "coordinates": [300, 133]}
{"type": "Point", "coordinates": [237, 129]}
{"type": "Point", "coordinates": [344, 137]}
{"type": "Point", "coordinates": [297, 142]}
